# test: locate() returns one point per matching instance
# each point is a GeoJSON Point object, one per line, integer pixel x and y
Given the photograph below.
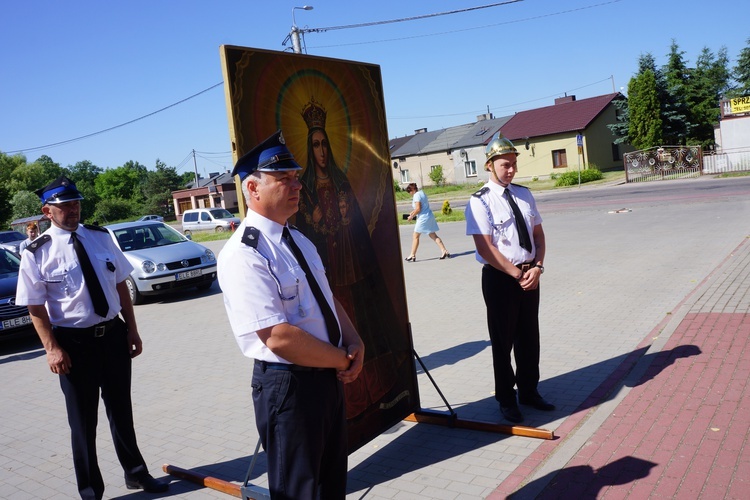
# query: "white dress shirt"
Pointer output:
{"type": "Point", "coordinates": [499, 222]}
{"type": "Point", "coordinates": [252, 296]}
{"type": "Point", "coordinates": [52, 276]}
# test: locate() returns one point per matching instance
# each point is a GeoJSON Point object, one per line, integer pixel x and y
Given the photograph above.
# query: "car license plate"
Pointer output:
{"type": "Point", "coordinates": [189, 274]}
{"type": "Point", "coordinates": [16, 322]}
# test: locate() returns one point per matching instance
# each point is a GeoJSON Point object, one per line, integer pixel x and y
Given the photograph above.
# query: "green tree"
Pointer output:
{"type": "Point", "coordinates": [123, 183]}
{"type": "Point", "coordinates": [111, 210]}
{"type": "Point", "coordinates": [7, 165]}
{"type": "Point", "coordinates": [157, 190]}
{"type": "Point", "coordinates": [710, 79]}
{"type": "Point", "coordinates": [84, 174]}
{"type": "Point", "coordinates": [645, 117]}
{"type": "Point", "coordinates": [32, 176]}
{"type": "Point", "coordinates": [25, 204]}
{"type": "Point", "coordinates": [741, 73]}
{"type": "Point", "coordinates": [676, 117]}
{"type": "Point", "coordinates": [621, 126]}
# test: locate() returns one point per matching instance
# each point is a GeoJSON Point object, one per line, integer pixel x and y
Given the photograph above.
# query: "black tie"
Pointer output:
{"type": "Point", "coordinates": [334, 334]}
{"type": "Point", "coordinates": [92, 282]}
{"type": "Point", "coordinates": [523, 232]}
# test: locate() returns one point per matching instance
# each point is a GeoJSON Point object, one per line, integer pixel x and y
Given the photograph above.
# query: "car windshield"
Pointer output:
{"type": "Point", "coordinates": [147, 236]}
{"type": "Point", "coordinates": [10, 236]}
{"type": "Point", "coordinates": [221, 213]}
{"type": "Point", "coordinates": [9, 263]}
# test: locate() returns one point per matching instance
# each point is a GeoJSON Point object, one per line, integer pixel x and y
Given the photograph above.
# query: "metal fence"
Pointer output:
{"type": "Point", "coordinates": [665, 162]}
{"type": "Point", "coordinates": [735, 160]}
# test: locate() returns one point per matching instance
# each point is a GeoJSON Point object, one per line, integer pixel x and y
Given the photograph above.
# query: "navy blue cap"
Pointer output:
{"type": "Point", "coordinates": [270, 155]}
{"type": "Point", "coordinates": [60, 190]}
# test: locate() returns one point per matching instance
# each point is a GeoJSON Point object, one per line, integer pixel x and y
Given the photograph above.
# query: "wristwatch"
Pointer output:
{"type": "Point", "coordinates": [541, 268]}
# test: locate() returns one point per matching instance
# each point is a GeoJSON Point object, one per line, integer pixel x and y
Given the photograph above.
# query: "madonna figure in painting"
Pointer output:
{"type": "Point", "coordinates": [330, 215]}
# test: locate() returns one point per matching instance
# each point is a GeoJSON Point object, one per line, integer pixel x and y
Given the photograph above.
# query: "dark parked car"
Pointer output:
{"type": "Point", "coordinates": [13, 319]}
{"type": "Point", "coordinates": [11, 240]}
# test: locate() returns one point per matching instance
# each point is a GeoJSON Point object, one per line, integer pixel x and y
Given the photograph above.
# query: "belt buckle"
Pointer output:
{"type": "Point", "coordinates": [99, 330]}
{"type": "Point", "coordinates": [525, 267]}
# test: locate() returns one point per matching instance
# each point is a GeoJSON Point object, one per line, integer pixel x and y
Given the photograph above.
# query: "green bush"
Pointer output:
{"type": "Point", "coordinates": [436, 175]}
{"type": "Point", "coordinates": [447, 209]}
{"type": "Point", "coordinates": [396, 186]}
{"type": "Point", "coordinates": [570, 178]}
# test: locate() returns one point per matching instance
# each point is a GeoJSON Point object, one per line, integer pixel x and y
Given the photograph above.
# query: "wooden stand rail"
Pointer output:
{"type": "Point", "coordinates": [203, 480]}
{"type": "Point", "coordinates": [452, 420]}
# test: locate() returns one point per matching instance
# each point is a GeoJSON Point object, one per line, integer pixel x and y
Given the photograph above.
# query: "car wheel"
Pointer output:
{"type": "Point", "coordinates": [135, 296]}
{"type": "Point", "coordinates": [219, 229]}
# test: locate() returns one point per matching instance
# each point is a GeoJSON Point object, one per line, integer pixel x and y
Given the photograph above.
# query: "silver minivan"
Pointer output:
{"type": "Point", "coordinates": [208, 219]}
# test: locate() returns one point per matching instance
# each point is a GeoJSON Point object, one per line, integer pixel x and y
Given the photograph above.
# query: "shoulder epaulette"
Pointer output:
{"type": "Point", "coordinates": [519, 186]}
{"type": "Point", "coordinates": [95, 227]}
{"type": "Point", "coordinates": [38, 243]}
{"type": "Point", "coordinates": [479, 193]}
{"type": "Point", "coordinates": [251, 236]}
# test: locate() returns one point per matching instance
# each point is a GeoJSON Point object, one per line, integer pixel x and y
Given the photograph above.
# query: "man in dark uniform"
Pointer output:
{"type": "Point", "coordinates": [284, 316]}
{"type": "Point", "coordinates": [507, 230]}
{"type": "Point", "coordinates": [72, 278]}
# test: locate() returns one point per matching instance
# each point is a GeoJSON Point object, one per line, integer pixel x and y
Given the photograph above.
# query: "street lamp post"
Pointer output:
{"type": "Point", "coordinates": [294, 34]}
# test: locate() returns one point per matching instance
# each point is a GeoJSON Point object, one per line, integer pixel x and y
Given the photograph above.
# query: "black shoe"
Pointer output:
{"type": "Point", "coordinates": [537, 402]}
{"type": "Point", "coordinates": [146, 482]}
{"type": "Point", "coordinates": [511, 412]}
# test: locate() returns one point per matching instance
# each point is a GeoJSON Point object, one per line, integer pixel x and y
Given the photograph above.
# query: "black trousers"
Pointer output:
{"type": "Point", "coordinates": [513, 322]}
{"type": "Point", "coordinates": [98, 363]}
{"type": "Point", "coordinates": [301, 422]}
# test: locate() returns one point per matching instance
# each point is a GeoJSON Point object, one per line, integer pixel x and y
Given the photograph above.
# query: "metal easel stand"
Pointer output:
{"type": "Point", "coordinates": [249, 491]}
{"type": "Point", "coordinates": [246, 492]}
{"type": "Point", "coordinates": [451, 419]}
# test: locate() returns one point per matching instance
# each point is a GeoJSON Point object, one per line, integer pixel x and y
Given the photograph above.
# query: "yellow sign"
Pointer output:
{"type": "Point", "coordinates": [740, 104]}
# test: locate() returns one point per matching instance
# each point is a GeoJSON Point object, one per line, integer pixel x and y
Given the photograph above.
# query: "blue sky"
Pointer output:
{"type": "Point", "coordinates": [73, 68]}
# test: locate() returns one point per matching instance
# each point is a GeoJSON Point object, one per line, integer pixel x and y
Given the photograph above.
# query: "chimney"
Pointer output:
{"type": "Point", "coordinates": [420, 130]}
{"type": "Point", "coordinates": [484, 116]}
{"type": "Point", "coordinates": [563, 100]}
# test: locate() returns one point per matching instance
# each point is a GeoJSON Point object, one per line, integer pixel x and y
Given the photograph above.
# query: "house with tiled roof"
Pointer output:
{"type": "Point", "coordinates": [218, 191]}
{"type": "Point", "coordinates": [546, 138]}
{"type": "Point", "coordinates": [458, 150]}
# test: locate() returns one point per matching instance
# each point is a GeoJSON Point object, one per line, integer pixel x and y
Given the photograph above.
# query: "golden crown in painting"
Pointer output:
{"type": "Point", "coordinates": [314, 114]}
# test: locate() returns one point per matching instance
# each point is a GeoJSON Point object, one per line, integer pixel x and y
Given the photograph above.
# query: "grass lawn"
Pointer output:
{"type": "Point", "coordinates": [463, 191]}
{"type": "Point", "coordinates": [450, 192]}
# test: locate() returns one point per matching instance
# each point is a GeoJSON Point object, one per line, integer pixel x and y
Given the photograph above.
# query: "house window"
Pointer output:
{"type": "Point", "coordinates": [470, 168]}
{"type": "Point", "coordinates": [616, 155]}
{"type": "Point", "coordinates": [404, 175]}
{"type": "Point", "coordinates": [433, 167]}
{"type": "Point", "coordinates": [559, 158]}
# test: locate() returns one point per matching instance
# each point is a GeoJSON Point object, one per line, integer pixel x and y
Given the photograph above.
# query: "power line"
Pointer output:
{"type": "Point", "coordinates": [445, 32]}
{"type": "Point", "coordinates": [405, 19]}
{"type": "Point", "coordinates": [47, 146]}
{"type": "Point", "coordinates": [498, 107]}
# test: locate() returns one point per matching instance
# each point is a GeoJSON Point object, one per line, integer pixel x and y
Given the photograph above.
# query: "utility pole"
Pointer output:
{"type": "Point", "coordinates": [195, 166]}
{"type": "Point", "coordinates": [294, 34]}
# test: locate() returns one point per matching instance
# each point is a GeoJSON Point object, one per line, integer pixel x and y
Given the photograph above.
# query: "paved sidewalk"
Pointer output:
{"type": "Point", "coordinates": [681, 424]}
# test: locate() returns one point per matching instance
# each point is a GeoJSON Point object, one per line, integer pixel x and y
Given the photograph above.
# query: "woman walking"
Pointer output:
{"type": "Point", "coordinates": [426, 222]}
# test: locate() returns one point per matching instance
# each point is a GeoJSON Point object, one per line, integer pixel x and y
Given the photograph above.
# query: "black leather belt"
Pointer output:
{"type": "Point", "coordinates": [526, 266]}
{"type": "Point", "coordinates": [267, 365]}
{"type": "Point", "coordinates": [94, 331]}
